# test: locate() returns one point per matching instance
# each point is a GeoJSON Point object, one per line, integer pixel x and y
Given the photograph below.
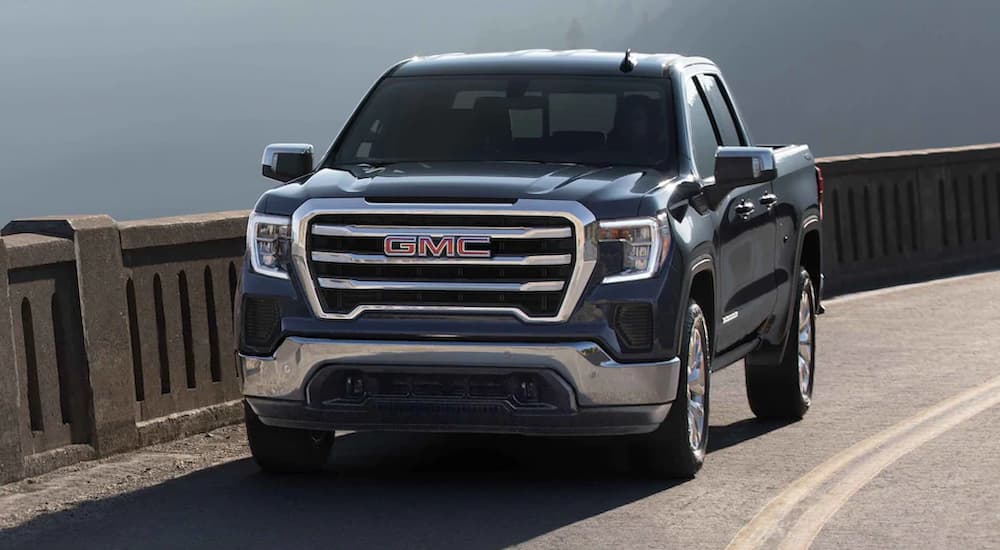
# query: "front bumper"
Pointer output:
{"type": "Point", "coordinates": [597, 395]}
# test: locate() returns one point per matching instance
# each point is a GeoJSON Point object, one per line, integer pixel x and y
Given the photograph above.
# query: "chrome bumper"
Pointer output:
{"type": "Point", "coordinates": [596, 379]}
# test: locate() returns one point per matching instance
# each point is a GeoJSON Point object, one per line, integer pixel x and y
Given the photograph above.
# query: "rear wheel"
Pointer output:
{"type": "Point", "coordinates": [782, 388]}
{"type": "Point", "coordinates": [677, 448]}
{"type": "Point", "coordinates": [286, 450]}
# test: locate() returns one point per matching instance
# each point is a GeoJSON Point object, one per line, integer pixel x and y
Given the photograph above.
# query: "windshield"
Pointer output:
{"type": "Point", "coordinates": [585, 120]}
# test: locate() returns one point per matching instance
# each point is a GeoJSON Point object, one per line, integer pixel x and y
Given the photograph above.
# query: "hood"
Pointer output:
{"type": "Point", "coordinates": [610, 192]}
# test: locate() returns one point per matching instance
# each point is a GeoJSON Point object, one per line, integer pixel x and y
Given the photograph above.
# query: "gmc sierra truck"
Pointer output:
{"type": "Point", "coordinates": [536, 242]}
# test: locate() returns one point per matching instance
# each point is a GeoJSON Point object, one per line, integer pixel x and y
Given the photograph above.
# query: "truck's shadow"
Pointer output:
{"type": "Point", "coordinates": [382, 491]}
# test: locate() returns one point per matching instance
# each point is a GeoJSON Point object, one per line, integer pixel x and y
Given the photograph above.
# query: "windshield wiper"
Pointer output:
{"type": "Point", "coordinates": [366, 167]}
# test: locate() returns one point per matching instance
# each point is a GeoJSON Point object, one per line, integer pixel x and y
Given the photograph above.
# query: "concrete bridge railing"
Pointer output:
{"type": "Point", "coordinates": [900, 217]}
{"type": "Point", "coordinates": [116, 335]}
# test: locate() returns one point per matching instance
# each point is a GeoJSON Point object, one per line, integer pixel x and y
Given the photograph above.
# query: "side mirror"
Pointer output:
{"type": "Point", "coordinates": [287, 161]}
{"type": "Point", "coordinates": [738, 166]}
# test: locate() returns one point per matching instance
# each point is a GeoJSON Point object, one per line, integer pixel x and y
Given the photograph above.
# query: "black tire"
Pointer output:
{"type": "Point", "coordinates": [773, 375]}
{"type": "Point", "coordinates": [285, 450]}
{"type": "Point", "coordinates": [668, 452]}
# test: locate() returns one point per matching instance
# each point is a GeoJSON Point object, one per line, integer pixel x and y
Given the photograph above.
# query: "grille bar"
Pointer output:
{"type": "Point", "coordinates": [349, 258]}
{"type": "Point", "coordinates": [352, 284]}
{"type": "Point", "coordinates": [326, 230]}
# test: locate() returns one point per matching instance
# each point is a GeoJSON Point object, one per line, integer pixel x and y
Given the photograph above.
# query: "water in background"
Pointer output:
{"type": "Point", "coordinates": [142, 109]}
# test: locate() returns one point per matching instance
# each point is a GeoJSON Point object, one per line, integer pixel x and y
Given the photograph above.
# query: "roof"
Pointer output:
{"type": "Point", "coordinates": [569, 62]}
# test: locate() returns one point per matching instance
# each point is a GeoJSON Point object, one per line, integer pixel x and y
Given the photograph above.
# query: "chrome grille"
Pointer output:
{"type": "Point", "coordinates": [542, 255]}
{"type": "Point", "coordinates": [530, 264]}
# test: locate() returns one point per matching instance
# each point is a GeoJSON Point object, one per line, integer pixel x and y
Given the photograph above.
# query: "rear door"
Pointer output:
{"type": "Point", "coordinates": [745, 266]}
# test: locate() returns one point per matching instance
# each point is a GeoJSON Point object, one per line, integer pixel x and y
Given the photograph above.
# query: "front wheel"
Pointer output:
{"type": "Point", "coordinates": [676, 449]}
{"type": "Point", "coordinates": [286, 450]}
{"type": "Point", "coordinates": [783, 389]}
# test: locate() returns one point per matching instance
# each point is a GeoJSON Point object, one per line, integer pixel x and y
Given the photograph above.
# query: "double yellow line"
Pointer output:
{"type": "Point", "coordinates": [792, 519]}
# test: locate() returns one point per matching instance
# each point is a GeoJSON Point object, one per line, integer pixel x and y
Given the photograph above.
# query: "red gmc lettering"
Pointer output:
{"type": "Point", "coordinates": [400, 245]}
{"type": "Point", "coordinates": [427, 247]}
{"type": "Point", "coordinates": [465, 252]}
{"type": "Point", "coordinates": [446, 246]}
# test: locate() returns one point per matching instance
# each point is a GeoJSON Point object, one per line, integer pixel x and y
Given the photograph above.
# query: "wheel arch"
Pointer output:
{"type": "Point", "coordinates": [811, 254]}
{"type": "Point", "coordinates": [702, 290]}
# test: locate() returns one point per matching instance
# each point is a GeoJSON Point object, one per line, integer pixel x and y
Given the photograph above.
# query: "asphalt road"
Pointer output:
{"type": "Point", "coordinates": [900, 450]}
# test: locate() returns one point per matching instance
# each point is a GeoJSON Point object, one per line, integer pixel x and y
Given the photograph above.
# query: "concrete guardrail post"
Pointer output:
{"type": "Point", "coordinates": [11, 453]}
{"type": "Point", "coordinates": [106, 333]}
{"type": "Point", "coordinates": [104, 312]}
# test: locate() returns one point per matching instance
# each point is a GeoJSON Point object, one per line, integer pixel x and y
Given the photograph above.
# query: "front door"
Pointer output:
{"type": "Point", "coordinates": [745, 267]}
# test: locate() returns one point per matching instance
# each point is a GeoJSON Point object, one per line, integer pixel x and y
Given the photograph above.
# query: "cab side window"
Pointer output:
{"type": "Point", "coordinates": [721, 110]}
{"type": "Point", "coordinates": [703, 138]}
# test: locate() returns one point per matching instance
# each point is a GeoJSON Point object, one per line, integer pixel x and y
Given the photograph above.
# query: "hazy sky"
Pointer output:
{"type": "Point", "coordinates": [139, 108]}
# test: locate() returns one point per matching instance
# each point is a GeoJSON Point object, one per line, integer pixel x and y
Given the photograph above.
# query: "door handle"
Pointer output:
{"type": "Point", "coordinates": [769, 199]}
{"type": "Point", "coordinates": [744, 208]}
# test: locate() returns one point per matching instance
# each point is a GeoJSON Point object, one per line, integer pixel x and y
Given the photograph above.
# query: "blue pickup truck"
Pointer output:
{"type": "Point", "coordinates": [540, 243]}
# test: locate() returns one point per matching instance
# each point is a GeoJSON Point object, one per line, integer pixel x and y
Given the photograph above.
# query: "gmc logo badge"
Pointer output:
{"type": "Point", "coordinates": [449, 246]}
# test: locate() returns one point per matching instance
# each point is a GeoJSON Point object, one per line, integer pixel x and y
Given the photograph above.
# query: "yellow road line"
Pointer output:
{"type": "Point", "coordinates": [856, 466]}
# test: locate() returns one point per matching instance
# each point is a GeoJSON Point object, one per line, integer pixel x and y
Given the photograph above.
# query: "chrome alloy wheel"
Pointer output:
{"type": "Point", "coordinates": [696, 370]}
{"type": "Point", "coordinates": [806, 342]}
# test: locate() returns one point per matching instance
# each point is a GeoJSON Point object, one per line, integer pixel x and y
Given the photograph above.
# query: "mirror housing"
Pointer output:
{"type": "Point", "coordinates": [739, 166]}
{"type": "Point", "coordinates": [287, 161]}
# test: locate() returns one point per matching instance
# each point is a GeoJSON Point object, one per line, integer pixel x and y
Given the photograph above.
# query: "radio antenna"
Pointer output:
{"type": "Point", "coordinates": [628, 63]}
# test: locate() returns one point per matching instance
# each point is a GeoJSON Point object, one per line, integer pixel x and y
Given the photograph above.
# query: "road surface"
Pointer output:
{"type": "Point", "coordinates": [900, 450]}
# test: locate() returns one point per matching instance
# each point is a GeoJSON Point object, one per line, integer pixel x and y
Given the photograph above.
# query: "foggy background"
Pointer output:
{"type": "Point", "coordinates": [141, 109]}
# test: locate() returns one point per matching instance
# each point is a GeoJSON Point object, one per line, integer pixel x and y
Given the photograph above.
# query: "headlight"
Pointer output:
{"type": "Point", "coordinates": [633, 249]}
{"type": "Point", "coordinates": [269, 240]}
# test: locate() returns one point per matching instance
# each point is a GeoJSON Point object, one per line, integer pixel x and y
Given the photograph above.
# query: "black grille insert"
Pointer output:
{"type": "Point", "coordinates": [261, 318]}
{"type": "Point", "coordinates": [532, 303]}
{"type": "Point", "coordinates": [634, 325]}
{"type": "Point", "coordinates": [340, 386]}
